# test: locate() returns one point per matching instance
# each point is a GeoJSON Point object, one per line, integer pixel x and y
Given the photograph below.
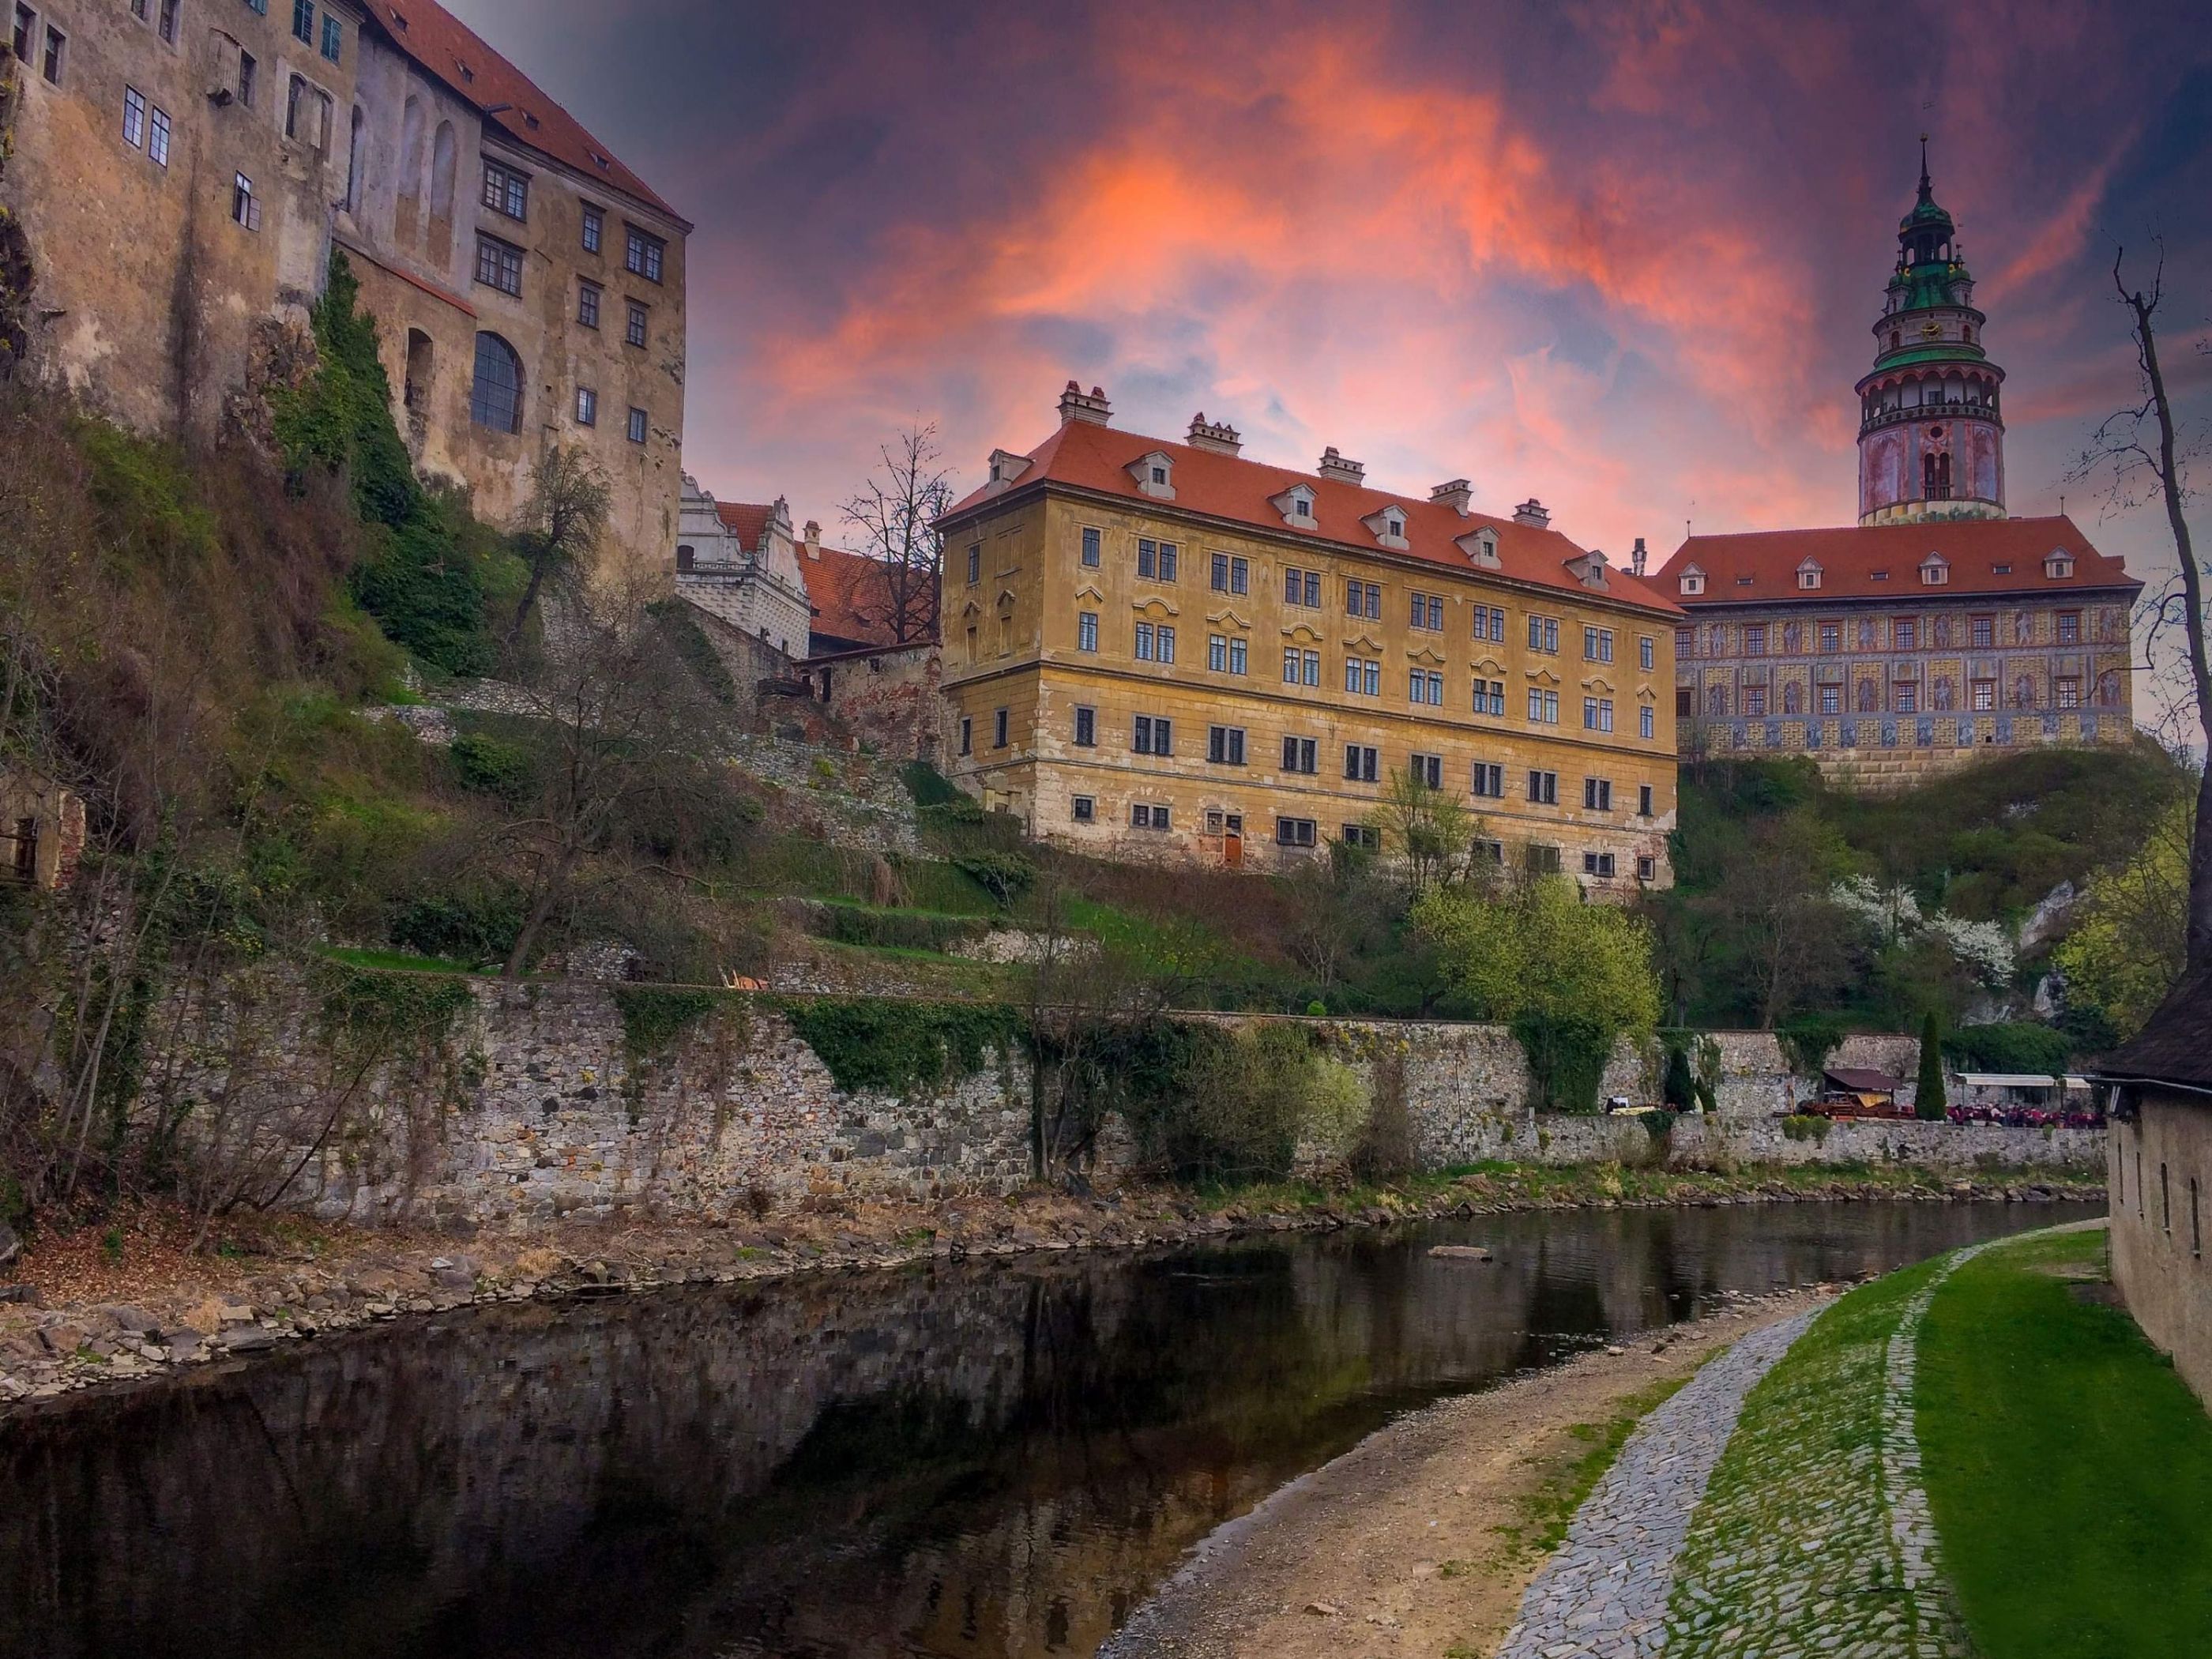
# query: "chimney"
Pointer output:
{"type": "Point", "coordinates": [1218, 437]}
{"type": "Point", "coordinates": [1333, 465]}
{"type": "Point", "coordinates": [1458, 494]}
{"type": "Point", "coordinates": [1532, 512]}
{"type": "Point", "coordinates": [1638, 558]}
{"type": "Point", "coordinates": [1076, 406]}
{"type": "Point", "coordinates": [813, 538]}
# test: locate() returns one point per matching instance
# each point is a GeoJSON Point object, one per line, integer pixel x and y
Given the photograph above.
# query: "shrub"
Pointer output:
{"type": "Point", "coordinates": [1680, 1089]}
{"type": "Point", "coordinates": [2021, 1046]}
{"type": "Point", "coordinates": [1567, 1055]}
{"type": "Point", "coordinates": [905, 930]}
{"type": "Point", "coordinates": [1005, 876]}
{"type": "Point", "coordinates": [492, 766]}
{"type": "Point", "coordinates": [460, 925]}
{"type": "Point", "coordinates": [928, 786]}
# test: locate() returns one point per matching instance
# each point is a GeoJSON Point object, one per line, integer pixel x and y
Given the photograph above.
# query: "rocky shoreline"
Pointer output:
{"type": "Point", "coordinates": [221, 1307]}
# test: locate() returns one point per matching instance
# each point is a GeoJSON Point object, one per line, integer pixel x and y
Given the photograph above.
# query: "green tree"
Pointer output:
{"type": "Point", "coordinates": [1679, 1091]}
{"type": "Point", "coordinates": [2128, 943]}
{"type": "Point", "coordinates": [1928, 1100]}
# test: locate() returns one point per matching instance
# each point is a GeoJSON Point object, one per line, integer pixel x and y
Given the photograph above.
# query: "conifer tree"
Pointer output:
{"type": "Point", "coordinates": [1928, 1100]}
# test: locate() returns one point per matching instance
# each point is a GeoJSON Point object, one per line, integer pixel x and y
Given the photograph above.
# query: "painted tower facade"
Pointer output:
{"type": "Point", "coordinates": [1932, 435]}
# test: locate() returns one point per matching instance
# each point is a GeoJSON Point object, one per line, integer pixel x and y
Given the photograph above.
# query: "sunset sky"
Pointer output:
{"type": "Point", "coordinates": [1625, 258]}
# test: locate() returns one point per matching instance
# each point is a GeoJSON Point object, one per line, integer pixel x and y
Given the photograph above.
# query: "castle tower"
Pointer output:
{"type": "Point", "coordinates": [1931, 441]}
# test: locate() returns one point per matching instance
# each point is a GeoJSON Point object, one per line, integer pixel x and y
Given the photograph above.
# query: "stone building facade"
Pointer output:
{"type": "Point", "coordinates": [1162, 649]}
{"type": "Point", "coordinates": [1937, 628]}
{"type": "Point", "coordinates": [739, 561]}
{"type": "Point", "coordinates": [184, 169]}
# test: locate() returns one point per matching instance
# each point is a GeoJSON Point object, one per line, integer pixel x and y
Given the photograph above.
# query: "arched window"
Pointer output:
{"type": "Point", "coordinates": [415, 393]}
{"type": "Point", "coordinates": [495, 399]}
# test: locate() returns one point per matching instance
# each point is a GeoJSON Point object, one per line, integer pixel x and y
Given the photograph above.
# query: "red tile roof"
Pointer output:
{"type": "Point", "coordinates": [1091, 457]}
{"type": "Point", "coordinates": [448, 49]}
{"type": "Point", "coordinates": [1762, 567]}
{"type": "Point", "coordinates": [845, 589]}
{"type": "Point", "coordinates": [748, 519]}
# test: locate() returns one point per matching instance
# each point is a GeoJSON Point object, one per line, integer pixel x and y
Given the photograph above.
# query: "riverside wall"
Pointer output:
{"type": "Point", "coordinates": [544, 1112]}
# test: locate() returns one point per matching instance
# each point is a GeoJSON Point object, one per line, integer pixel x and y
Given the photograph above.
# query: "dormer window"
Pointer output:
{"type": "Point", "coordinates": [1692, 580]}
{"type": "Point", "coordinates": [1935, 571]}
{"type": "Point", "coordinates": [1394, 522]}
{"type": "Point", "coordinates": [1388, 526]}
{"type": "Point", "coordinates": [1808, 576]}
{"type": "Point", "coordinates": [1295, 504]}
{"type": "Point", "coordinates": [1302, 509]}
{"type": "Point", "coordinates": [1480, 546]}
{"type": "Point", "coordinates": [2059, 565]}
{"type": "Point", "coordinates": [1155, 475]}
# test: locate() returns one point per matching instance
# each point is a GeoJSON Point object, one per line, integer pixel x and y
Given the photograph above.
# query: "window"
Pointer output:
{"type": "Point", "coordinates": [1543, 707]}
{"type": "Point", "coordinates": [1155, 643]}
{"type": "Point", "coordinates": [1145, 647]}
{"type": "Point", "coordinates": [1086, 630]}
{"type": "Point", "coordinates": [1360, 762]}
{"type": "Point", "coordinates": [1428, 613]}
{"type": "Point", "coordinates": [1754, 701]}
{"type": "Point", "coordinates": [1084, 809]}
{"type": "Point", "coordinates": [1597, 645]}
{"type": "Point", "coordinates": [1363, 836]}
{"type": "Point", "coordinates": [1295, 832]}
{"type": "Point", "coordinates": [2070, 627]}
{"type": "Point", "coordinates": [1647, 868]}
{"type": "Point", "coordinates": [1362, 599]}
{"type": "Point", "coordinates": [1426, 685]}
{"type": "Point", "coordinates": [1984, 633]}
{"type": "Point", "coordinates": [595, 229]}
{"type": "Point", "coordinates": [2067, 691]}
{"type": "Point", "coordinates": [1600, 865]}
{"type": "Point", "coordinates": [1543, 788]}
{"type": "Point", "coordinates": [1597, 713]}
{"type": "Point", "coordinates": [1935, 575]}
{"type": "Point", "coordinates": [134, 117]}
{"type": "Point", "coordinates": [1984, 695]}
{"type": "Point", "coordinates": [1694, 581]}
{"type": "Point", "coordinates": [499, 265]}
{"type": "Point", "coordinates": [1152, 735]}
{"type": "Point", "coordinates": [57, 44]}
{"type": "Point", "coordinates": [1754, 640]}
{"type": "Point", "coordinates": [1429, 770]}
{"type": "Point", "coordinates": [1300, 668]}
{"type": "Point", "coordinates": [1905, 698]}
{"type": "Point", "coordinates": [24, 35]}
{"type": "Point", "coordinates": [333, 37]}
{"type": "Point", "coordinates": [1645, 722]}
{"type": "Point", "coordinates": [495, 398]}
{"type": "Point", "coordinates": [1148, 817]}
{"type": "Point", "coordinates": [1541, 860]}
{"type": "Point", "coordinates": [307, 114]}
{"type": "Point", "coordinates": [1544, 635]}
{"type": "Point", "coordinates": [967, 735]}
{"type": "Point", "coordinates": [1230, 575]}
{"type": "Point", "coordinates": [1217, 652]}
{"type": "Point", "coordinates": [303, 20]}
{"type": "Point", "coordinates": [1643, 800]}
{"type": "Point", "coordinates": [157, 143]}
{"type": "Point", "coordinates": [587, 304]}
{"type": "Point", "coordinates": [1092, 539]}
{"type": "Point", "coordinates": [1301, 587]}
{"type": "Point", "coordinates": [2058, 566]}
{"type": "Point", "coordinates": [1832, 699]}
{"type": "Point", "coordinates": [248, 78]}
{"type": "Point", "coordinates": [1300, 755]}
{"type": "Point", "coordinates": [506, 190]}
{"type": "Point", "coordinates": [642, 254]}
{"type": "Point", "coordinates": [640, 427]}
{"type": "Point", "coordinates": [634, 327]}
{"type": "Point", "coordinates": [974, 562]}
{"type": "Point", "coordinates": [1490, 623]}
{"type": "Point", "coordinates": [1597, 794]}
{"type": "Point", "coordinates": [1086, 728]}
{"type": "Point", "coordinates": [1490, 696]}
{"type": "Point", "coordinates": [587, 406]}
{"type": "Point", "coordinates": [998, 728]}
{"type": "Point", "coordinates": [1831, 636]}
{"type": "Point", "coordinates": [1686, 642]}
{"type": "Point", "coordinates": [244, 206]}
{"type": "Point", "coordinates": [1225, 745]}
{"type": "Point", "coordinates": [1488, 780]}
{"type": "Point", "coordinates": [1904, 634]}
{"type": "Point", "coordinates": [1363, 677]}
{"type": "Point", "coordinates": [1155, 560]}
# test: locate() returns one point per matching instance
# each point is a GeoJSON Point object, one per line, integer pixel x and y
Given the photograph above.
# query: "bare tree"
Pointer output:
{"type": "Point", "coordinates": [566, 516]}
{"type": "Point", "coordinates": [1428, 829]}
{"type": "Point", "coordinates": [897, 512]}
{"type": "Point", "coordinates": [609, 711]}
{"type": "Point", "coordinates": [2140, 450]}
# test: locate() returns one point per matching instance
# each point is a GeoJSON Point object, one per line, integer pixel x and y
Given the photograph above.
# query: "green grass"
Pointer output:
{"type": "Point", "coordinates": [1546, 1512]}
{"type": "Point", "coordinates": [400, 961]}
{"type": "Point", "coordinates": [2068, 1467]}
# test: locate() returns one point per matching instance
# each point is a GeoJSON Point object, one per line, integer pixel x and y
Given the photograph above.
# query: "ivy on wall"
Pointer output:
{"type": "Point", "coordinates": [892, 1048]}
{"type": "Point", "coordinates": [654, 1018]}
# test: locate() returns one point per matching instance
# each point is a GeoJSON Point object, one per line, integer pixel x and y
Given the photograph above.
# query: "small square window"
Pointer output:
{"type": "Point", "coordinates": [638, 426]}
{"type": "Point", "coordinates": [1084, 809]}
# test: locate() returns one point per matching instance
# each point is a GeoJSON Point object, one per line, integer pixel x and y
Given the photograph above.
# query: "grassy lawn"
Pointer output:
{"type": "Point", "coordinates": [404, 961]}
{"type": "Point", "coordinates": [2069, 1467]}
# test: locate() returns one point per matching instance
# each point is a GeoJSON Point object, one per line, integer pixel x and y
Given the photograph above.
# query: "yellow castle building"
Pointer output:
{"type": "Point", "coordinates": [1167, 650]}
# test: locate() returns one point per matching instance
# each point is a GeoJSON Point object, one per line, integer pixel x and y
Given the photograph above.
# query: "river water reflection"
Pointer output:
{"type": "Point", "coordinates": [980, 1460]}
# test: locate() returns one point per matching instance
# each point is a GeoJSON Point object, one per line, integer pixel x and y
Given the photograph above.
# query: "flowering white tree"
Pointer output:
{"type": "Point", "coordinates": [1985, 948]}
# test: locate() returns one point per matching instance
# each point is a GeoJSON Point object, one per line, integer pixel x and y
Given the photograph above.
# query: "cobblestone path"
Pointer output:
{"type": "Point", "coordinates": [1604, 1596]}
{"type": "Point", "coordinates": [1814, 1539]}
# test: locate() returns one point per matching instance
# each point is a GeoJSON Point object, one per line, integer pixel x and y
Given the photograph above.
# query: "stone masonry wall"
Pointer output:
{"type": "Point", "coordinates": [551, 1115]}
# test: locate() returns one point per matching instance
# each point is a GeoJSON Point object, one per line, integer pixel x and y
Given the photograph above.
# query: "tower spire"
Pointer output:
{"type": "Point", "coordinates": [1926, 191]}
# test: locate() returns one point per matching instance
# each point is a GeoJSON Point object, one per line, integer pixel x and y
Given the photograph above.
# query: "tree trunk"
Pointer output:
{"type": "Point", "coordinates": [541, 907]}
{"type": "Point", "coordinates": [2199, 936]}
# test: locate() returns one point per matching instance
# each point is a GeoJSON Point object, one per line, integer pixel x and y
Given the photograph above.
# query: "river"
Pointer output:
{"type": "Point", "coordinates": [982, 1459]}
